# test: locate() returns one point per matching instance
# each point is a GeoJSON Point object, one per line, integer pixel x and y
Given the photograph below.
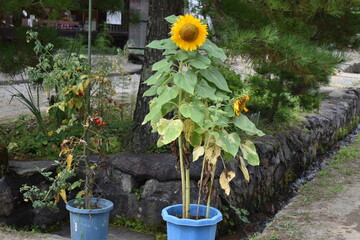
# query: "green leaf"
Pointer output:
{"type": "Point", "coordinates": [200, 62]}
{"type": "Point", "coordinates": [181, 55]}
{"type": "Point", "coordinates": [248, 150]}
{"type": "Point", "coordinates": [156, 78]}
{"type": "Point", "coordinates": [162, 44]}
{"type": "Point", "coordinates": [171, 19]}
{"type": "Point", "coordinates": [246, 125]}
{"type": "Point", "coordinates": [156, 104]}
{"type": "Point", "coordinates": [204, 90]}
{"type": "Point", "coordinates": [75, 185]}
{"type": "Point", "coordinates": [215, 77]}
{"type": "Point", "coordinates": [162, 66]}
{"type": "Point", "coordinates": [151, 91]}
{"type": "Point", "coordinates": [213, 50]}
{"type": "Point", "coordinates": [222, 95]}
{"type": "Point", "coordinates": [169, 130]}
{"type": "Point", "coordinates": [229, 142]}
{"type": "Point", "coordinates": [195, 111]}
{"type": "Point", "coordinates": [167, 94]}
{"type": "Point", "coordinates": [186, 81]}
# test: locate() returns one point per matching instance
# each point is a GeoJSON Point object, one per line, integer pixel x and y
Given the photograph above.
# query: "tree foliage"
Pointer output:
{"type": "Point", "coordinates": [287, 43]}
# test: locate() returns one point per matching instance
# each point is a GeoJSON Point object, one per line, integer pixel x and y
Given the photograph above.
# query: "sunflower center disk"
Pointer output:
{"type": "Point", "coordinates": [189, 32]}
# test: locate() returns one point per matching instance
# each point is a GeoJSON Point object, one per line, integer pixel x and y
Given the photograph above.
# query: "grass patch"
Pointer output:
{"type": "Point", "coordinates": [329, 183]}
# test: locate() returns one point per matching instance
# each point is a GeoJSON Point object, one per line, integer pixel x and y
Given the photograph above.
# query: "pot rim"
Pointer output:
{"type": "Point", "coordinates": [106, 206]}
{"type": "Point", "coordinates": [215, 213]}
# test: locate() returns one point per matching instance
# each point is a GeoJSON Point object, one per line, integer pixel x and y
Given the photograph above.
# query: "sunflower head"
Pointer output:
{"type": "Point", "coordinates": [188, 32]}
{"type": "Point", "coordinates": [239, 104]}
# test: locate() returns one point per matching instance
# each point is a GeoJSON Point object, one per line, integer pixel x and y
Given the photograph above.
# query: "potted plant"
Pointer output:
{"type": "Point", "coordinates": [89, 216]}
{"type": "Point", "coordinates": [206, 122]}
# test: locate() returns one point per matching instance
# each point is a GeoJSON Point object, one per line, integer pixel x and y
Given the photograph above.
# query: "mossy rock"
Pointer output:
{"type": "Point", "coordinates": [4, 160]}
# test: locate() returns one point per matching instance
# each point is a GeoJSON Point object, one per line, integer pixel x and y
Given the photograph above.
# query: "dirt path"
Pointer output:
{"type": "Point", "coordinates": [327, 207]}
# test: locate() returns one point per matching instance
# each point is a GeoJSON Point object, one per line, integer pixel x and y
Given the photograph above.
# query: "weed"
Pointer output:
{"type": "Point", "coordinates": [138, 226]}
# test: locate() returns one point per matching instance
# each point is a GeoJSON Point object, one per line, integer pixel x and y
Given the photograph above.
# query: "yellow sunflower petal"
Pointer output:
{"type": "Point", "coordinates": [188, 32]}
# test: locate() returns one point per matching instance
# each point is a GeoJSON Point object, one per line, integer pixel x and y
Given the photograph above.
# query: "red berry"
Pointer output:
{"type": "Point", "coordinates": [103, 123]}
{"type": "Point", "coordinates": [80, 93]}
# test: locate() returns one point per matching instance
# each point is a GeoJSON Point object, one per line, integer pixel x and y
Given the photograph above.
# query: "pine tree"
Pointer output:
{"type": "Point", "coordinates": [287, 43]}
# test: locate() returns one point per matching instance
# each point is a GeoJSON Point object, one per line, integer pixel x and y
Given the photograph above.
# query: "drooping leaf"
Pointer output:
{"type": "Point", "coordinates": [229, 142]}
{"type": "Point", "coordinates": [198, 152]}
{"type": "Point", "coordinates": [244, 169]}
{"type": "Point", "coordinates": [191, 136]}
{"type": "Point", "coordinates": [212, 152]}
{"type": "Point", "coordinates": [169, 130]}
{"type": "Point", "coordinates": [205, 90]}
{"type": "Point", "coordinates": [225, 177]}
{"type": "Point", "coordinates": [215, 77]}
{"type": "Point", "coordinates": [186, 81]}
{"type": "Point", "coordinates": [213, 50]}
{"type": "Point", "coordinates": [69, 160]}
{"type": "Point", "coordinates": [248, 150]}
{"type": "Point", "coordinates": [244, 123]}
{"type": "Point", "coordinates": [63, 195]}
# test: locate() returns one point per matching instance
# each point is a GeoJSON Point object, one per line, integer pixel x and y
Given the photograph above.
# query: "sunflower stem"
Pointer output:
{"type": "Point", "coordinates": [210, 191]}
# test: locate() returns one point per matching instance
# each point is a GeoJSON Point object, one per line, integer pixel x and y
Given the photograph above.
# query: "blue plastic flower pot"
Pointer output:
{"type": "Point", "coordinates": [89, 224]}
{"type": "Point", "coordinates": [190, 229]}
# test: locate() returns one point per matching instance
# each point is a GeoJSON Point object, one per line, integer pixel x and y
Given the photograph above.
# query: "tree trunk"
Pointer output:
{"type": "Point", "coordinates": [140, 136]}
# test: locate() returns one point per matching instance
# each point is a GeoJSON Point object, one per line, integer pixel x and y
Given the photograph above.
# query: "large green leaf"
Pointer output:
{"type": "Point", "coordinates": [204, 90]}
{"type": "Point", "coordinates": [167, 94]}
{"type": "Point", "coordinates": [229, 142]}
{"type": "Point", "coordinates": [165, 109]}
{"type": "Point", "coordinates": [248, 150]}
{"type": "Point", "coordinates": [156, 78]}
{"type": "Point", "coordinates": [162, 66]}
{"type": "Point", "coordinates": [200, 62]}
{"type": "Point", "coordinates": [246, 125]}
{"type": "Point", "coordinates": [162, 44]}
{"type": "Point", "coordinates": [194, 110]}
{"type": "Point", "coordinates": [215, 77]}
{"type": "Point", "coordinates": [169, 130]}
{"type": "Point", "coordinates": [213, 50]}
{"type": "Point", "coordinates": [186, 81]}
{"type": "Point", "coordinates": [222, 95]}
{"type": "Point", "coordinates": [181, 55]}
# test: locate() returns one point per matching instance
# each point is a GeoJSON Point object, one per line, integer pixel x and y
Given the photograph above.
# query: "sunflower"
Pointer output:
{"type": "Point", "coordinates": [239, 104]}
{"type": "Point", "coordinates": [188, 32]}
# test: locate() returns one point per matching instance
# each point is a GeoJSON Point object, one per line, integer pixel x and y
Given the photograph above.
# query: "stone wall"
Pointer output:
{"type": "Point", "coordinates": [140, 185]}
